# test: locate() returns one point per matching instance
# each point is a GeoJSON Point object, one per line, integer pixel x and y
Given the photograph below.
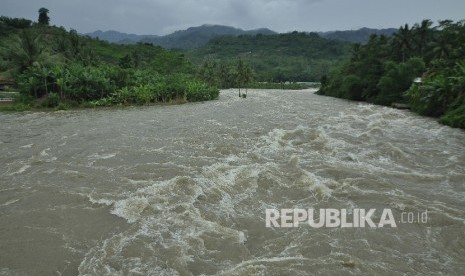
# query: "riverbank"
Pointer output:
{"type": "Point", "coordinates": [428, 75]}
{"type": "Point", "coordinates": [37, 106]}
{"type": "Point", "coordinates": [47, 104]}
{"type": "Point", "coordinates": [154, 92]}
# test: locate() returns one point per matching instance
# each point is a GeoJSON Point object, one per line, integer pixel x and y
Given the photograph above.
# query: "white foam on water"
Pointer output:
{"type": "Point", "coordinates": [71, 172]}
{"type": "Point", "coordinates": [167, 212]}
{"type": "Point", "coordinates": [444, 210]}
{"type": "Point", "coordinates": [171, 223]}
{"type": "Point", "coordinates": [131, 208]}
{"type": "Point", "coordinates": [315, 184]}
{"type": "Point", "coordinates": [160, 150]}
{"type": "Point", "coordinates": [93, 158]}
{"type": "Point", "coordinates": [28, 146]}
{"type": "Point", "coordinates": [21, 170]}
{"type": "Point", "coordinates": [43, 156]}
{"type": "Point", "coordinates": [263, 262]}
{"type": "Point", "coordinates": [136, 182]}
{"type": "Point", "coordinates": [97, 156]}
{"type": "Point", "coordinates": [9, 202]}
{"type": "Point", "coordinates": [275, 142]}
{"type": "Point", "coordinates": [50, 171]}
{"type": "Point", "coordinates": [101, 201]}
{"type": "Point", "coordinates": [44, 153]}
{"type": "Point", "coordinates": [187, 214]}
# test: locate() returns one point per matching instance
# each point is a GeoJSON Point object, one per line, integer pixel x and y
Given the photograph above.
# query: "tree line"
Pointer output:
{"type": "Point", "coordinates": [290, 57]}
{"type": "Point", "coordinates": [383, 71]}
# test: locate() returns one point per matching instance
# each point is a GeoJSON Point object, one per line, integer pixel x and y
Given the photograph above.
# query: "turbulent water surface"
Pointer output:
{"type": "Point", "coordinates": [182, 190]}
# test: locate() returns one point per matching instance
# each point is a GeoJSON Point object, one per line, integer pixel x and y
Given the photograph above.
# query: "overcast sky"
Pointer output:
{"type": "Point", "coordinates": [165, 16]}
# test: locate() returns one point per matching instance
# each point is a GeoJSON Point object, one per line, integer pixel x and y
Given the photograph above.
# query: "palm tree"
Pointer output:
{"type": "Point", "coordinates": [441, 47]}
{"type": "Point", "coordinates": [422, 34]}
{"type": "Point", "coordinates": [403, 40]}
{"type": "Point", "coordinates": [448, 43]}
{"type": "Point", "coordinates": [44, 74]}
{"type": "Point", "coordinates": [24, 50]}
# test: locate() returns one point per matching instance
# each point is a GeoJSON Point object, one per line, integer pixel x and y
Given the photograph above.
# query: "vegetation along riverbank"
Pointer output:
{"type": "Point", "coordinates": [422, 66]}
{"type": "Point", "coordinates": [55, 68]}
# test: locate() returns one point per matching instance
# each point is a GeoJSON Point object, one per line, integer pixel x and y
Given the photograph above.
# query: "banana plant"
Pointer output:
{"type": "Point", "coordinates": [61, 76]}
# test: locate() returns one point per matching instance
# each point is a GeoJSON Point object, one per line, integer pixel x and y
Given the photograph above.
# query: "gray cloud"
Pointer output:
{"type": "Point", "coordinates": [166, 16]}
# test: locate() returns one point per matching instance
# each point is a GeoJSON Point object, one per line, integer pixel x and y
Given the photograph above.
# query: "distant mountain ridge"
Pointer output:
{"type": "Point", "coordinates": [118, 37]}
{"type": "Point", "coordinates": [195, 37]}
{"type": "Point", "coordinates": [357, 36]}
{"type": "Point", "coordinates": [190, 38]}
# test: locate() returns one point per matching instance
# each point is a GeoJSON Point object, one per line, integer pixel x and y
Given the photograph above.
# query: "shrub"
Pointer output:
{"type": "Point", "coordinates": [455, 117]}
{"type": "Point", "coordinates": [62, 106]}
{"type": "Point", "coordinates": [143, 93]}
{"type": "Point", "coordinates": [351, 88]}
{"type": "Point", "coordinates": [52, 100]}
{"type": "Point", "coordinates": [199, 91]}
{"type": "Point", "coordinates": [21, 107]}
{"type": "Point", "coordinates": [430, 98]}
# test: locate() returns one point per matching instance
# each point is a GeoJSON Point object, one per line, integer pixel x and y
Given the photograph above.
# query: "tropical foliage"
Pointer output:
{"type": "Point", "coordinates": [290, 57]}
{"type": "Point", "coordinates": [383, 71]}
{"type": "Point", "coordinates": [226, 75]}
{"type": "Point", "coordinates": [54, 67]}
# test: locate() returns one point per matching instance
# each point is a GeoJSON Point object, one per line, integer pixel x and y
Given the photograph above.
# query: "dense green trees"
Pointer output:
{"type": "Point", "coordinates": [25, 49]}
{"type": "Point", "coordinates": [278, 58]}
{"type": "Point", "coordinates": [238, 74]}
{"type": "Point", "coordinates": [397, 78]}
{"type": "Point", "coordinates": [383, 70]}
{"type": "Point", "coordinates": [9, 25]}
{"type": "Point", "coordinates": [54, 67]}
{"type": "Point", "coordinates": [226, 74]}
{"type": "Point", "coordinates": [441, 93]}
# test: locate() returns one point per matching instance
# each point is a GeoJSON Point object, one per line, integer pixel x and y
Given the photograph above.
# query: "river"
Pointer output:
{"type": "Point", "coordinates": [183, 190]}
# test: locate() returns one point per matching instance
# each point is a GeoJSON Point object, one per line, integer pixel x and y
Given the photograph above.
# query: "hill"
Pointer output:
{"type": "Point", "coordinates": [357, 36]}
{"type": "Point", "coordinates": [195, 37]}
{"type": "Point", "coordinates": [279, 57]}
{"type": "Point", "coordinates": [184, 39]}
{"type": "Point", "coordinates": [118, 37]}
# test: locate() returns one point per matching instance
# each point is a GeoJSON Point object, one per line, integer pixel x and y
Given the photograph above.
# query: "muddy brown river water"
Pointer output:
{"type": "Point", "coordinates": [183, 190]}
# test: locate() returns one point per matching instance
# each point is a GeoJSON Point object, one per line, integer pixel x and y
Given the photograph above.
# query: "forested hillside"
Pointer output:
{"type": "Point", "coordinates": [195, 37]}
{"type": "Point", "coordinates": [357, 36]}
{"type": "Point", "coordinates": [190, 38]}
{"type": "Point", "coordinates": [276, 58]}
{"type": "Point", "coordinates": [198, 36]}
